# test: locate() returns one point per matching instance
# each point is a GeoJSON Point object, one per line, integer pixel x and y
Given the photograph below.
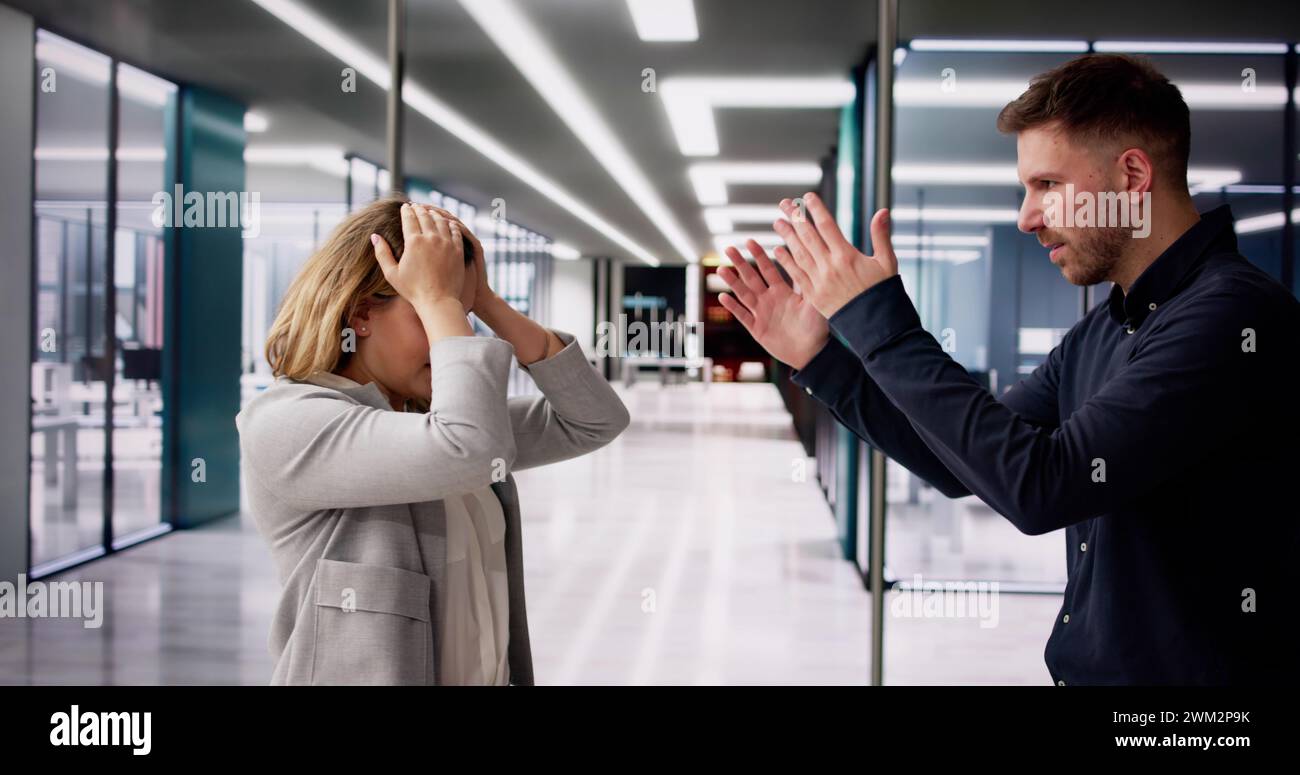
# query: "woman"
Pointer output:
{"type": "Point", "coordinates": [378, 464]}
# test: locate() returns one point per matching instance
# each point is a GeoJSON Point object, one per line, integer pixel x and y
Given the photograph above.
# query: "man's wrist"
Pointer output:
{"type": "Point", "coordinates": [875, 316]}
{"type": "Point", "coordinates": [802, 363]}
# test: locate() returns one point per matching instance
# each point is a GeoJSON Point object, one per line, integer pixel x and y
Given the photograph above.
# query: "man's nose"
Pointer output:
{"type": "Point", "coordinates": [1030, 219]}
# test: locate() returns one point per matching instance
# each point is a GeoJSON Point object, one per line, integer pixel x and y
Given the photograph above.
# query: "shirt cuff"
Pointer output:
{"type": "Point", "coordinates": [825, 371]}
{"type": "Point", "coordinates": [875, 317]}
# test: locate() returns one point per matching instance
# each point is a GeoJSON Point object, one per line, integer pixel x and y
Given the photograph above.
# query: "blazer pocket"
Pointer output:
{"type": "Point", "coordinates": [372, 625]}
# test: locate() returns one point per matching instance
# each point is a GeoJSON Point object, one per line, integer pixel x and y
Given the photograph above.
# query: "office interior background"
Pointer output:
{"type": "Point", "coordinates": [606, 151]}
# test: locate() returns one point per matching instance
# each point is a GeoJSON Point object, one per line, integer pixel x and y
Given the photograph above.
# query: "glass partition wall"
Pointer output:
{"type": "Point", "coordinates": [138, 264]}
{"type": "Point", "coordinates": [988, 292]}
{"type": "Point", "coordinates": [96, 471]}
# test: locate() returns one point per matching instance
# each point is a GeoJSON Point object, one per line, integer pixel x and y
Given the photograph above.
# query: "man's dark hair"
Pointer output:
{"type": "Point", "coordinates": [1110, 97]}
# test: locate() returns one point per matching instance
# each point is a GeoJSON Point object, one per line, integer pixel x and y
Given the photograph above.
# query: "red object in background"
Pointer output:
{"type": "Point", "coordinates": [725, 340]}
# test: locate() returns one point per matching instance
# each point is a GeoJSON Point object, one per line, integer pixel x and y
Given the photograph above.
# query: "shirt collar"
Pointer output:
{"type": "Point", "coordinates": [1159, 281]}
{"type": "Point", "coordinates": [368, 394]}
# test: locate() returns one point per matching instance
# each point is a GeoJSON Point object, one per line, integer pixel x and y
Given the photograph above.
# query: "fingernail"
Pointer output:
{"type": "Point", "coordinates": [374, 240]}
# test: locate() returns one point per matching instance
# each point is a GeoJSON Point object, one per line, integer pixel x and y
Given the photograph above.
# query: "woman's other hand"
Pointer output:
{"type": "Point", "coordinates": [433, 260]}
{"type": "Point", "coordinates": [484, 296]}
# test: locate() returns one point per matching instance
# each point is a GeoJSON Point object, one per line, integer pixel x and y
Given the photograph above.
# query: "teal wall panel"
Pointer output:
{"type": "Point", "coordinates": [204, 280]}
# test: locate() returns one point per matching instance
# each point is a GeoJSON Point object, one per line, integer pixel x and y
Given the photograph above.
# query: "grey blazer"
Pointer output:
{"type": "Point", "coordinates": [348, 493]}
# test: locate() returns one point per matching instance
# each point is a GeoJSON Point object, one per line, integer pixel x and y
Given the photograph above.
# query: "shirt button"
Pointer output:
{"type": "Point", "coordinates": [1152, 306]}
{"type": "Point", "coordinates": [1083, 547]}
{"type": "Point", "coordinates": [1129, 329]}
{"type": "Point", "coordinates": [1066, 619]}
{"type": "Point", "coordinates": [808, 390]}
{"type": "Point", "coordinates": [1060, 683]}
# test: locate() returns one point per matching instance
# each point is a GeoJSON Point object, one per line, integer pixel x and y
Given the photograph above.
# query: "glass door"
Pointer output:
{"type": "Point", "coordinates": [96, 398]}
{"type": "Point", "coordinates": [138, 267]}
{"type": "Point", "coordinates": [68, 367]}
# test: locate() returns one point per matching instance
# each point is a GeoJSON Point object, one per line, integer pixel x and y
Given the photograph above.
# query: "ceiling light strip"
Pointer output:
{"type": "Point", "coordinates": [690, 102]}
{"type": "Point", "coordinates": [524, 46]}
{"type": "Point", "coordinates": [955, 214]}
{"type": "Point", "coordinates": [1187, 47]}
{"type": "Point", "coordinates": [710, 179]}
{"type": "Point", "coordinates": [937, 93]}
{"type": "Point", "coordinates": [664, 21]}
{"type": "Point", "coordinates": [1265, 222]}
{"type": "Point", "coordinates": [1000, 46]}
{"type": "Point", "coordinates": [374, 69]}
{"type": "Point", "coordinates": [961, 174]}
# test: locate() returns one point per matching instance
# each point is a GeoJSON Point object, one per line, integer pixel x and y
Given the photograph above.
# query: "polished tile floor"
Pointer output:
{"type": "Point", "coordinates": [682, 554]}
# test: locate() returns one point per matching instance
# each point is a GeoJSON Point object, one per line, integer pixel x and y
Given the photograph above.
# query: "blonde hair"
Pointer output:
{"type": "Point", "coordinates": [307, 334]}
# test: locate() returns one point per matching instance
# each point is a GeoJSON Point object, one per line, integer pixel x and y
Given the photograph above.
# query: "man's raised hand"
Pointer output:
{"type": "Point", "coordinates": [780, 320]}
{"type": "Point", "coordinates": [827, 268]}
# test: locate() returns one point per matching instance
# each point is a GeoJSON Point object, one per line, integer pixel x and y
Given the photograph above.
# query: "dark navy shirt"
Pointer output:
{"type": "Point", "coordinates": [1161, 434]}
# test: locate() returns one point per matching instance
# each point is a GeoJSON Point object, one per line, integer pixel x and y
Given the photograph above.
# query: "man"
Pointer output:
{"type": "Point", "coordinates": [1161, 433]}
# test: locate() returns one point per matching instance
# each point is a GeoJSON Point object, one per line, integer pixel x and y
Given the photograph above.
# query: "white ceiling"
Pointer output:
{"type": "Point", "coordinates": [236, 47]}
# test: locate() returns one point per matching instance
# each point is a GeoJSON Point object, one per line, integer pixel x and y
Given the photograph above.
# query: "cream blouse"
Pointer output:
{"type": "Point", "coordinates": [474, 601]}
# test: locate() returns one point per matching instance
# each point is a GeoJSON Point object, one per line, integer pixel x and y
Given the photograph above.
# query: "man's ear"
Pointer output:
{"type": "Point", "coordinates": [1137, 170]}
